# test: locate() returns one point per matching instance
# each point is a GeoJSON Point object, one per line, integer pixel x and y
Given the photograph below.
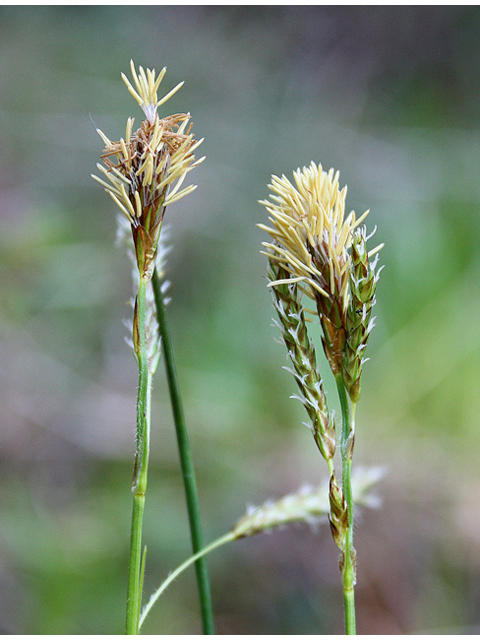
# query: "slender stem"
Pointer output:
{"type": "Point", "coordinates": [349, 608]}
{"type": "Point", "coordinates": [348, 568]}
{"type": "Point", "coordinates": [228, 537]}
{"type": "Point", "coordinates": [139, 483]}
{"type": "Point", "coordinates": [186, 461]}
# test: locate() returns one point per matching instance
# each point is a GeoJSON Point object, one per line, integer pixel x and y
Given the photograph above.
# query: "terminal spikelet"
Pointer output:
{"type": "Point", "coordinates": [144, 171]}
{"type": "Point", "coordinates": [311, 239]}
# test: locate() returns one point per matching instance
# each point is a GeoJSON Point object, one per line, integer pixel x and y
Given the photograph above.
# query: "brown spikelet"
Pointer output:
{"type": "Point", "coordinates": [145, 170]}
{"type": "Point", "coordinates": [338, 514]}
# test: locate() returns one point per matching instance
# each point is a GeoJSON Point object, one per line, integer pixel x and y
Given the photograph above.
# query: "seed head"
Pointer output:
{"type": "Point", "coordinates": [145, 170]}
{"type": "Point", "coordinates": [312, 242]}
{"type": "Point", "coordinates": [307, 505]}
{"type": "Point", "coordinates": [310, 231]}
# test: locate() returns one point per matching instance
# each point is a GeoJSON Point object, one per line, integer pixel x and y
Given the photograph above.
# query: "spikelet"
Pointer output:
{"type": "Point", "coordinates": [301, 351]}
{"type": "Point", "coordinates": [325, 254]}
{"type": "Point", "coordinates": [144, 171]}
{"type": "Point", "coordinates": [359, 321]}
{"type": "Point", "coordinates": [306, 505]}
{"type": "Point", "coordinates": [338, 515]}
{"type": "Point", "coordinates": [311, 240]}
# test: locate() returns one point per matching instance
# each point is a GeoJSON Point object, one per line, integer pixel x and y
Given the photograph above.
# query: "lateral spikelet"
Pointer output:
{"type": "Point", "coordinates": [301, 351]}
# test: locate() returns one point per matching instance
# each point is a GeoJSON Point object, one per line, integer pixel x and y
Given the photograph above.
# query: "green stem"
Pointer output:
{"type": "Point", "coordinates": [186, 461]}
{"type": "Point", "coordinates": [348, 568]}
{"type": "Point", "coordinates": [228, 537]}
{"type": "Point", "coordinates": [139, 483]}
{"type": "Point", "coordinates": [349, 608]}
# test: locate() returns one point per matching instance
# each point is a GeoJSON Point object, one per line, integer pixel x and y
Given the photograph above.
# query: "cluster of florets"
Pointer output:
{"type": "Point", "coordinates": [145, 170]}
{"type": "Point", "coordinates": [324, 253]}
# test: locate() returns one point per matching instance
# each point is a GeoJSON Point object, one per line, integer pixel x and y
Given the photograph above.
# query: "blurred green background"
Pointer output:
{"type": "Point", "coordinates": [391, 98]}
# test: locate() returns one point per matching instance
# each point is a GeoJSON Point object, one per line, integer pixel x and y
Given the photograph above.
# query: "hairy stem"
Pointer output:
{"type": "Point", "coordinates": [348, 560]}
{"type": "Point", "coordinates": [186, 461]}
{"type": "Point", "coordinates": [139, 483]}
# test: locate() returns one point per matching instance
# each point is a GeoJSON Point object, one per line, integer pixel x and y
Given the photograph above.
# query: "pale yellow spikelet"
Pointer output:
{"type": "Point", "coordinates": [309, 505]}
{"type": "Point", "coordinates": [310, 233]}
{"type": "Point", "coordinates": [311, 241]}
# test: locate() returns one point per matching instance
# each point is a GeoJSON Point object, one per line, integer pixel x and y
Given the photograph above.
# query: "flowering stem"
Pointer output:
{"type": "Point", "coordinates": [139, 483]}
{"type": "Point", "coordinates": [186, 461]}
{"type": "Point", "coordinates": [228, 537]}
{"type": "Point", "coordinates": [348, 560]}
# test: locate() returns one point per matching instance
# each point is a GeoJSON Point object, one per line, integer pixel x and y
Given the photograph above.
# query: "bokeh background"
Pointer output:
{"type": "Point", "coordinates": [391, 98]}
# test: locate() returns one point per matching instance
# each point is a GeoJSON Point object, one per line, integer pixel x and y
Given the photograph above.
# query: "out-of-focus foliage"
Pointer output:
{"type": "Point", "coordinates": [387, 95]}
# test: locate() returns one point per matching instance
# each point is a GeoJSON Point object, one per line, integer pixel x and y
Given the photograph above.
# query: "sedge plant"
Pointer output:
{"type": "Point", "coordinates": [318, 255]}
{"type": "Point", "coordinates": [143, 174]}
